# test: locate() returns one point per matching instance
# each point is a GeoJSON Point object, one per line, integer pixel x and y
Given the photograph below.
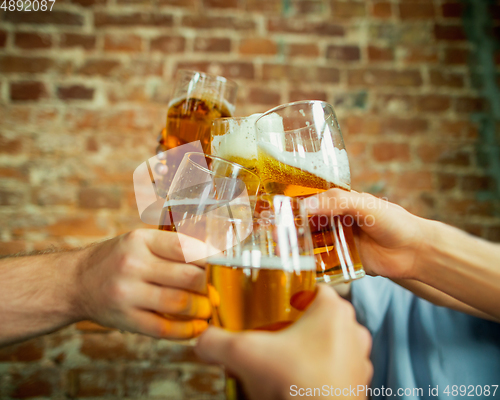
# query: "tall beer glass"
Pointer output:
{"type": "Point", "coordinates": [263, 278]}
{"type": "Point", "coordinates": [301, 152]}
{"type": "Point", "coordinates": [234, 140]}
{"type": "Point", "coordinates": [197, 99]}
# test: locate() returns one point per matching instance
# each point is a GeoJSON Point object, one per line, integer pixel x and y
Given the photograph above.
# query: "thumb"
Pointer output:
{"type": "Point", "coordinates": [215, 345]}
{"type": "Point", "coordinates": [324, 302]}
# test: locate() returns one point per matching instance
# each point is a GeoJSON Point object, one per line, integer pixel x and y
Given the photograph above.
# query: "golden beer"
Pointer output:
{"type": "Point", "coordinates": [270, 299]}
{"type": "Point", "coordinates": [328, 241]}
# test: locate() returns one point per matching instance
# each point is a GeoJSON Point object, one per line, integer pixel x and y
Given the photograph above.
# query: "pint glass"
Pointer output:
{"type": "Point", "coordinates": [301, 152]}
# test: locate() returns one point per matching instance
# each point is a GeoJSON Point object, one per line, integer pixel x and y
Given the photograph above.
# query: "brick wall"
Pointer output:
{"type": "Point", "coordinates": [83, 94]}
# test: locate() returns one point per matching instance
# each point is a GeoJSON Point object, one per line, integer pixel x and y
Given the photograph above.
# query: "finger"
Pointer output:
{"type": "Point", "coordinates": [175, 246]}
{"type": "Point", "coordinates": [177, 275]}
{"type": "Point", "coordinates": [151, 324]}
{"type": "Point", "coordinates": [171, 301]}
{"type": "Point", "coordinates": [342, 202]}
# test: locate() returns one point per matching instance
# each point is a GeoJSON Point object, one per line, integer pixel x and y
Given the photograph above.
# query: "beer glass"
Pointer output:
{"type": "Point", "coordinates": [263, 278]}
{"type": "Point", "coordinates": [197, 99]}
{"type": "Point", "coordinates": [301, 152]}
{"type": "Point", "coordinates": [234, 139]}
{"type": "Point", "coordinates": [202, 183]}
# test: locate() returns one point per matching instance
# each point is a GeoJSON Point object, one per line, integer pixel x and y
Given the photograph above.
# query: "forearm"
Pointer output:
{"type": "Point", "coordinates": [38, 294]}
{"type": "Point", "coordinates": [440, 298]}
{"type": "Point", "coordinates": [462, 266]}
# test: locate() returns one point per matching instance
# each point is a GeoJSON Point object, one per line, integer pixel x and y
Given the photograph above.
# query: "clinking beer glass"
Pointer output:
{"type": "Point", "coordinates": [301, 153]}
{"type": "Point", "coordinates": [263, 277]}
{"type": "Point", "coordinates": [197, 99]}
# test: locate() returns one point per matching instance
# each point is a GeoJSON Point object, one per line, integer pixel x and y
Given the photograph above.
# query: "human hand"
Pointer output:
{"type": "Point", "coordinates": [326, 346]}
{"type": "Point", "coordinates": [389, 237]}
{"type": "Point", "coordinates": [128, 283]}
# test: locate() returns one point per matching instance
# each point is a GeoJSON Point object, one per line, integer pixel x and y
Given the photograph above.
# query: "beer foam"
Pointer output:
{"type": "Point", "coordinates": [329, 163]}
{"type": "Point", "coordinates": [249, 259]}
{"type": "Point", "coordinates": [239, 141]}
{"type": "Point", "coordinates": [230, 107]}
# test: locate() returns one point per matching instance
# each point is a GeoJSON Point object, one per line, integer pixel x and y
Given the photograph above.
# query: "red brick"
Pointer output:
{"type": "Point", "coordinates": [99, 67]}
{"type": "Point", "coordinates": [343, 53]}
{"type": "Point", "coordinates": [215, 22]}
{"type": "Point", "coordinates": [29, 351]}
{"type": "Point", "coordinates": [102, 19]}
{"type": "Point", "coordinates": [119, 42]}
{"type": "Point", "coordinates": [387, 152]}
{"type": "Point", "coordinates": [361, 125]}
{"type": "Point", "coordinates": [40, 383]}
{"type": "Point", "coordinates": [88, 3]}
{"type": "Point", "coordinates": [236, 69]}
{"type": "Point", "coordinates": [449, 33]}
{"type": "Point", "coordinates": [258, 46]}
{"type": "Point", "coordinates": [3, 38]}
{"type": "Point", "coordinates": [456, 56]}
{"type": "Point", "coordinates": [474, 183]}
{"type": "Point", "coordinates": [220, 3]}
{"type": "Point", "coordinates": [458, 129]}
{"type": "Point", "coordinates": [99, 198]}
{"type": "Point", "coordinates": [443, 155]}
{"type": "Point", "coordinates": [297, 95]}
{"type": "Point", "coordinates": [86, 42]}
{"type": "Point", "coordinates": [192, 4]}
{"type": "Point", "coordinates": [76, 226]}
{"type": "Point", "coordinates": [308, 7]}
{"type": "Point", "coordinates": [348, 9]}
{"type": "Point", "coordinates": [106, 346]}
{"type": "Point", "coordinates": [409, 126]}
{"type": "Point", "coordinates": [376, 53]}
{"type": "Point", "coordinates": [264, 96]}
{"type": "Point", "coordinates": [12, 146]}
{"type": "Point", "coordinates": [379, 77]}
{"type": "Point", "coordinates": [139, 380]}
{"type": "Point", "coordinates": [7, 249]}
{"type": "Point", "coordinates": [452, 10]}
{"type": "Point", "coordinates": [493, 234]}
{"type": "Point", "coordinates": [212, 44]}
{"type": "Point", "coordinates": [420, 10]}
{"type": "Point", "coordinates": [16, 173]}
{"type": "Point", "coordinates": [12, 196]}
{"type": "Point", "coordinates": [433, 103]}
{"type": "Point", "coordinates": [415, 180]}
{"type": "Point", "coordinates": [303, 50]}
{"type": "Point", "coordinates": [203, 382]}
{"type": "Point", "coordinates": [168, 44]}
{"type": "Point", "coordinates": [75, 92]}
{"type": "Point", "coordinates": [30, 65]}
{"type": "Point", "coordinates": [382, 10]}
{"type": "Point", "coordinates": [298, 73]}
{"type": "Point", "coordinates": [27, 40]}
{"type": "Point", "coordinates": [446, 79]}
{"type": "Point", "coordinates": [446, 181]}
{"type": "Point", "coordinates": [467, 207]}
{"type": "Point", "coordinates": [48, 17]}
{"type": "Point", "coordinates": [470, 104]}
{"type": "Point", "coordinates": [319, 28]}
{"type": "Point", "coordinates": [24, 91]}
{"type": "Point", "coordinates": [265, 6]}
{"type": "Point", "coordinates": [93, 382]}
{"type": "Point", "coordinates": [421, 54]}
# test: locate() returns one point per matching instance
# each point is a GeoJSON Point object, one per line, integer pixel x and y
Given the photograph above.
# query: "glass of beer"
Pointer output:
{"type": "Point", "coordinates": [197, 99]}
{"type": "Point", "coordinates": [234, 139]}
{"type": "Point", "coordinates": [263, 278]}
{"type": "Point", "coordinates": [201, 184]}
{"type": "Point", "coordinates": [301, 153]}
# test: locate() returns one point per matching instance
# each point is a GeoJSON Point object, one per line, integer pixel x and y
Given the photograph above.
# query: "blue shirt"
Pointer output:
{"type": "Point", "coordinates": [419, 345]}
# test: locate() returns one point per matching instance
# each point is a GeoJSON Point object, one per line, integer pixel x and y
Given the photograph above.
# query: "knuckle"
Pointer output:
{"type": "Point", "coordinates": [117, 292]}
{"type": "Point", "coordinates": [178, 301]}
{"type": "Point", "coordinates": [129, 265]}
{"type": "Point", "coordinates": [135, 235]}
{"type": "Point", "coordinates": [192, 276]}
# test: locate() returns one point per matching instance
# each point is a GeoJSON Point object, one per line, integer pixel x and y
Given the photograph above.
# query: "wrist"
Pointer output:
{"type": "Point", "coordinates": [75, 290]}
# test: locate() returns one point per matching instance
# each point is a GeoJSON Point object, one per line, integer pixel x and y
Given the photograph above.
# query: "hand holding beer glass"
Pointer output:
{"type": "Point", "coordinates": [301, 152]}
{"type": "Point", "coordinates": [263, 278]}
